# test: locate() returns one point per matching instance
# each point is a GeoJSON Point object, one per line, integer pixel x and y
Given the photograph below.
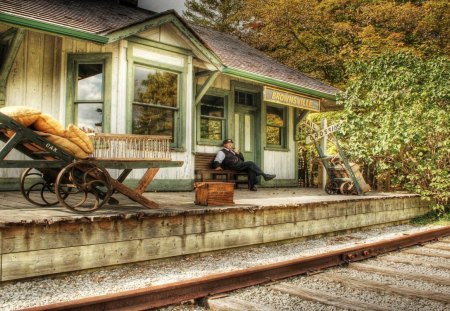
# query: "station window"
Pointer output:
{"type": "Point", "coordinates": [276, 126]}
{"type": "Point", "coordinates": [155, 101]}
{"type": "Point", "coordinates": [88, 98]}
{"type": "Point", "coordinates": [212, 118]}
{"type": "Point", "coordinates": [244, 98]}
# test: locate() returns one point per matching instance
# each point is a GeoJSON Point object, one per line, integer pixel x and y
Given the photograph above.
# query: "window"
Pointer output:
{"type": "Point", "coordinates": [155, 101]}
{"type": "Point", "coordinates": [212, 118]}
{"type": "Point", "coordinates": [244, 98]}
{"type": "Point", "coordinates": [89, 97]}
{"type": "Point", "coordinates": [276, 126]}
{"type": "Point", "coordinates": [89, 78]}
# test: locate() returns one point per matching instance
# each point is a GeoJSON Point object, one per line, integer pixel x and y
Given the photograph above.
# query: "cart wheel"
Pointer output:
{"type": "Point", "coordinates": [331, 188]}
{"type": "Point", "coordinates": [347, 187]}
{"type": "Point", "coordinates": [83, 186]}
{"type": "Point", "coordinates": [38, 188]}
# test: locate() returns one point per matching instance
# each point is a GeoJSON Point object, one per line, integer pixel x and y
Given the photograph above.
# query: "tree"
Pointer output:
{"type": "Point", "coordinates": [216, 14]}
{"type": "Point", "coordinates": [397, 111]}
{"type": "Point", "coordinates": [318, 37]}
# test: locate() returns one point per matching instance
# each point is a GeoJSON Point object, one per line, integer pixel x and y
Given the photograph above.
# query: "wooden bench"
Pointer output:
{"type": "Point", "coordinates": [204, 171]}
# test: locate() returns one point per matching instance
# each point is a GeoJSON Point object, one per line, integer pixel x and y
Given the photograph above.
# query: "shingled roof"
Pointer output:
{"type": "Point", "coordinates": [100, 19]}
{"type": "Point", "coordinates": [237, 55]}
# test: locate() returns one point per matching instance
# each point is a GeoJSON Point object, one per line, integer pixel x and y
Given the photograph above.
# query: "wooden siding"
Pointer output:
{"type": "Point", "coordinates": [38, 79]}
{"type": "Point", "coordinates": [272, 159]}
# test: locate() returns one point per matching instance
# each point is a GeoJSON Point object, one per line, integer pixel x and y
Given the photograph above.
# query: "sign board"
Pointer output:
{"type": "Point", "coordinates": [322, 133]}
{"type": "Point", "coordinates": [291, 99]}
{"type": "Point", "coordinates": [311, 124]}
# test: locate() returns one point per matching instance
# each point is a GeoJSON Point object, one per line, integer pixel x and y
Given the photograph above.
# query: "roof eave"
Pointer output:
{"type": "Point", "coordinates": [159, 19]}
{"type": "Point", "coordinates": [51, 28]}
{"type": "Point", "coordinates": [274, 82]}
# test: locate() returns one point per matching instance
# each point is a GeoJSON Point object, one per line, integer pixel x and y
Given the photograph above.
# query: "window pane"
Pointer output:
{"type": "Point", "coordinates": [90, 82]}
{"type": "Point", "coordinates": [153, 86]}
{"type": "Point", "coordinates": [275, 116]}
{"type": "Point", "coordinates": [212, 106]}
{"type": "Point", "coordinates": [273, 135]}
{"type": "Point", "coordinates": [243, 98]}
{"type": "Point", "coordinates": [211, 129]}
{"type": "Point", "coordinates": [153, 121]}
{"type": "Point", "coordinates": [90, 117]}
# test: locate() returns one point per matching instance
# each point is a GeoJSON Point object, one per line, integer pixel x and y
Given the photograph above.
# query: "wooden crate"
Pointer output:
{"type": "Point", "coordinates": [214, 193]}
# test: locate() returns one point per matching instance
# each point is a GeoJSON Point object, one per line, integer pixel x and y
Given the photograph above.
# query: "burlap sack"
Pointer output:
{"type": "Point", "coordinates": [46, 123]}
{"type": "Point", "coordinates": [21, 114]}
{"type": "Point", "coordinates": [77, 136]}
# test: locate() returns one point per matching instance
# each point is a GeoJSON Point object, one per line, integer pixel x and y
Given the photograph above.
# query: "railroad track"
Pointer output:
{"type": "Point", "coordinates": [341, 288]}
{"type": "Point", "coordinates": [412, 279]}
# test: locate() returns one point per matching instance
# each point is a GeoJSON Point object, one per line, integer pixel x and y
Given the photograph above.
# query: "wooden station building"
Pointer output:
{"type": "Point", "coordinates": [114, 68]}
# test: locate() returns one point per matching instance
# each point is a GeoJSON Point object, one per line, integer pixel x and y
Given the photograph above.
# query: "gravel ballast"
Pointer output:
{"type": "Point", "coordinates": [45, 290]}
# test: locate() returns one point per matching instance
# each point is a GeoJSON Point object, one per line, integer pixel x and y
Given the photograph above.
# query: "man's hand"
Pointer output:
{"type": "Point", "coordinates": [237, 151]}
{"type": "Point", "coordinates": [219, 168]}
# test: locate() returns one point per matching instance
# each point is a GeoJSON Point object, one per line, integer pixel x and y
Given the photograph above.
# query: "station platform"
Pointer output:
{"type": "Point", "coordinates": [38, 241]}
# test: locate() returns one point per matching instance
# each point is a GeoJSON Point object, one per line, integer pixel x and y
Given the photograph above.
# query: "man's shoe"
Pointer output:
{"type": "Point", "coordinates": [268, 177]}
{"type": "Point", "coordinates": [253, 188]}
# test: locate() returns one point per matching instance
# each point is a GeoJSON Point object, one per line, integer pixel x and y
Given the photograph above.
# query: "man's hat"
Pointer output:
{"type": "Point", "coordinates": [226, 141]}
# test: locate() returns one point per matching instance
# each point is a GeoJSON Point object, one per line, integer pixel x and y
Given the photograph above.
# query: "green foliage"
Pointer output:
{"type": "Point", "coordinates": [396, 111]}
{"type": "Point", "coordinates": [433, 218]}
{"type": "Point", "coordinates": [216, 14]}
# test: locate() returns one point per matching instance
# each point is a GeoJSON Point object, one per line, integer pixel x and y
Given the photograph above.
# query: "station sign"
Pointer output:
{"type": "Point", "coordinates": [291, 99]}
{"type": "Point", "coordinates": [322, 133]}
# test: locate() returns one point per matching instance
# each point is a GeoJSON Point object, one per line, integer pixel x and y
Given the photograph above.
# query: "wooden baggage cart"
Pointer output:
{"type": "Point", "coordinates": [54, 176]}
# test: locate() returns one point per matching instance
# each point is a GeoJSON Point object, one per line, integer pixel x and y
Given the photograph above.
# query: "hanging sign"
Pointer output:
{"type": "Point", "coordinates": [291, 99]}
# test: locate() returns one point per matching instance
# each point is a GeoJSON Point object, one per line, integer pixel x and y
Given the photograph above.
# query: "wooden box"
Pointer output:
{"type": "Point", "coordinates": [214, 193]}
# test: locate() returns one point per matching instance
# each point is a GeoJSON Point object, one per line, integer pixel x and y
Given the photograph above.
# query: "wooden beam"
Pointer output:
{"type": "Point", "coordinates": [421, 252]}
{"type": "Point", "coordinates": [415, 262]}
{"type": "Point", "coordinates": [11, 53]}
{"type": "Point", "coordinates": [384, 287]}
{"type": "Point", "coordinates": [206, 86]}
{"type": "Point", "coordinates": [401, 274]}
{"type": "Point", "coordinates": [8, 34]}
{"type": "Point", "coordinates": [327, 299]}
{"type": "Point", "coordinates": [146, 180]}
{"type": "Point", "coordinates": [234, 304]}
{"type": "Point", "coordinates": [5, 69]}
{"type": "Point", "coordinates": [438, 246]}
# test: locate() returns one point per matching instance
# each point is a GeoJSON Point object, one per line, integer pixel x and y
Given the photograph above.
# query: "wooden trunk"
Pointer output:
{"type": "Point", "coordinates": [214, 193]}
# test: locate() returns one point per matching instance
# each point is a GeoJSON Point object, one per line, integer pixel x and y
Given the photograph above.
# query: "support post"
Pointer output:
{"type": "Point", "coordinates": [323, 144]}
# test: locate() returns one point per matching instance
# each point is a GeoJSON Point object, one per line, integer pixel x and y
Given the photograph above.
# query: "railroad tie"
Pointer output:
{"type": "Point", "coordinates": [327, 299]}
{"type": "Point", "coordinates": [401, 274]}
{"type": "Point", "coordinates": [415, 262]}
{"type": "Point", "coordinates": [381, 287]}
{"type": "Point", "coordinates": [235, 304]}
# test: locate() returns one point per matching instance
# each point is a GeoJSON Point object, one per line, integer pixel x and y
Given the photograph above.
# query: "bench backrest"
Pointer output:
{"type": "Point", "coordinates": [203, 161]}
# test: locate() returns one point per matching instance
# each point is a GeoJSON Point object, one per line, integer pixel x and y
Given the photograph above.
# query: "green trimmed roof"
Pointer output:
{"type": "Point", "coordinates": [104, 21]}
{"type": "Point", "coordinates": [241, 59]}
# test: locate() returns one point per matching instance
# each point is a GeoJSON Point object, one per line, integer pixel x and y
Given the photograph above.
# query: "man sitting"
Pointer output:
{"type": "Point", "coordinates": [231, 159]}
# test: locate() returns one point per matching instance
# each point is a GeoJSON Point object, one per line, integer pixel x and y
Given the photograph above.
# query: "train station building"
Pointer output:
{"type": "Point", "coordinates": [113, 68]}
{"type": "Point", "coordinates": [108, 67]}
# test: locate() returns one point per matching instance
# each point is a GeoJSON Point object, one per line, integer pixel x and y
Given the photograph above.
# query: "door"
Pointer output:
{"type": "Point", "coordinates": [244, 132]}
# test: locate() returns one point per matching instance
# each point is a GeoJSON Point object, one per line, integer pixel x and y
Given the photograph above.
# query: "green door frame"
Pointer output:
{"type": "Point", "coordinates": [257, 90]}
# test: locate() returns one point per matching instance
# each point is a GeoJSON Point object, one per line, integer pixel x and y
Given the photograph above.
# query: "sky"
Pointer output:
{"type": "Point", "coordinates": [162, 5]}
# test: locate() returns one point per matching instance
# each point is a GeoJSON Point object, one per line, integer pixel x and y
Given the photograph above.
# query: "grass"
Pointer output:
{"type": "Point", "coordinates": [433, 218]}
